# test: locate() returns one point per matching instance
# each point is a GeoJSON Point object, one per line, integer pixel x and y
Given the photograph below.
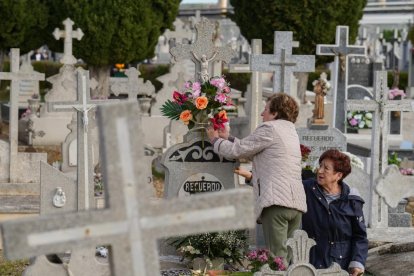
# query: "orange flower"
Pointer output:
{"type": "Point", "coordinates": [222, 114]}
{"type": "Point", "coordinates": [186, 116]}
{"type": "Point", "coordinates": [201, 102]}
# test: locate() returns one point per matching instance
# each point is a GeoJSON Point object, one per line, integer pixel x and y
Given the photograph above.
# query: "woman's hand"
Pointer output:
{"type": "Point", "coordinates": [355, 271]}
{"type": "Point", "coordinates": [211, 133]}
{"type": "Point", "coordinates": [242, 172]}
{"type": "Point", "coordinates": [224, 132]}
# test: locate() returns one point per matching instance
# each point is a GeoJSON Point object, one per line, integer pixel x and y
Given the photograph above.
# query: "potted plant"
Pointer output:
{"type": "Point", "coordinates": [307, 169]}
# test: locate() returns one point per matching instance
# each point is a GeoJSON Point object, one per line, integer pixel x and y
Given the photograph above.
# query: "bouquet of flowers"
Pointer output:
{"type": "Point", "coordinates": [355, 160]}
{"type": "Point", "coordinates": [359, 119]}
{"type": "Point", "coordinates": [200, 103]}
{"type": "Point", "coordinates": [305, 151]}
{"type": "Point", "coordinates": [230, 245]}
{"type": "Point", "coordinates": [259, 258]}
{"type": "Point", "coordinates": [395, 92]}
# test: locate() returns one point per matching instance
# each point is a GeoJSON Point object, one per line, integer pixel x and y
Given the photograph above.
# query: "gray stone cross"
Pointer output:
{"type": "Point", "coordinates": [82, 106]}
{"type": "Point", "coordinates": [341, 50]}
{"type": "Point", "coordinates": [203, 52]}
{"type": "Point", "coordinates": [381, 107]}
{"type": "Point", "coordinates": [133, 86]}
{"type": "Point", "coordinates": [255, 84]}
{"type": "Point", "coordinates": [282, 63]}
{"type": "Point", "coordinates": [68, 34]}
{"type": "Point", "coordinates": [16, 76]}
{"type": "Point", "coordinates": [132, 222]}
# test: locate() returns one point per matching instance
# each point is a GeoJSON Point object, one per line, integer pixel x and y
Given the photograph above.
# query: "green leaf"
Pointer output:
{"type": "Point", "coordinates": [171, 110]}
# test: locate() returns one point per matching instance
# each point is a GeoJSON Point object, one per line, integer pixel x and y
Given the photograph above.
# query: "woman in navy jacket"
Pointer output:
{"type": "Point", "coordinates": [334, 218]}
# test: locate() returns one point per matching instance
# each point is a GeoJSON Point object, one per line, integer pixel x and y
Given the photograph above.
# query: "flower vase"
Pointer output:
{"type": "Point", "coordinates": [200, 129]}
{"type": "Point", "coordinates": [34, 105]}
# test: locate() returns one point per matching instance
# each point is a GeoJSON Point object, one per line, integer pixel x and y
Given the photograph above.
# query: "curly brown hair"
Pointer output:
{"type": "Point", "coordinates": [286, 107]}
{"type": "Point", "coordinates": [341, 161]}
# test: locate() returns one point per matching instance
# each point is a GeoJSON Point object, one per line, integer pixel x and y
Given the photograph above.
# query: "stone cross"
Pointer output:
{"type": "Point", "coordinates": [282, 63]}
{"type": "Point", "coordinates": [133, 87]}
{"type": "Point", "coordinates": [301, 244]}
{"type": "Point", "coordinates": [381, 107]}
{"type": "Point", "coordinates": [202, 52]}
{"type": "Point", "coordinates": [341, 50]}
{"type": "Point", "coordinates": [68, 34]}
{"type": "Point", "coordinates": [82, 106]}
{"type": "Point", "coordinates": [132, 222]}
{"type": "Point", "coordinates": [16, 76]}
{"type": "Point", "coordinates": [255, 84]}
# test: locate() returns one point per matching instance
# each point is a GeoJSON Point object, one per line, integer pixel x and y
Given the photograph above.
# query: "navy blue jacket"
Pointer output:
{"type": "Point", "coordinates": [338, 228]}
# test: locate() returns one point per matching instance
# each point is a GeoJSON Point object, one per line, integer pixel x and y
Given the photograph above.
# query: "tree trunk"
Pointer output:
{"type": "Point", "coordinates": [101, 74]}
{"type": "Point", "coordinates": [302, 84]}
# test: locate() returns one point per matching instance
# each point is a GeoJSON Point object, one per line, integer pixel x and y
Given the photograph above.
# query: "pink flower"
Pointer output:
{"type": "Point", "coordinates": [218, 82]}
{"type": "Point", "coordinates": [196, 93]}
{"type": "Point", "coordinates": [395, 92]}
{"type": "Point", "coordinates": [226, 89]}
{"type": "Point", "coordinates": [262, 258]}
{"type": "Point", "coordinates": [220, 97]}
{"type": "Point", "coordinates": [196, 86]}
{"type": "Point", "coordinates": [252, 255]}
{"type": "Point", "coordinates": [353, 122]}
{"type": "Point", "coordinates": [187, 85]}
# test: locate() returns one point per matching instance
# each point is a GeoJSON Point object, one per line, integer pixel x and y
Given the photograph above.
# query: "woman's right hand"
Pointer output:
{"type": "Point", "coordinates": [242, 172]}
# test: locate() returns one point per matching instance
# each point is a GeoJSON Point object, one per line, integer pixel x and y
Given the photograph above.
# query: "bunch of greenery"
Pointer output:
{"type": "Point", "coordinates": [230, 245]}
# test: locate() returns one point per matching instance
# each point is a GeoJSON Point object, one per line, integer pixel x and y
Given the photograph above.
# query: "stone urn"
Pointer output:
{"type": "Point", "coordinates": [34, 106]}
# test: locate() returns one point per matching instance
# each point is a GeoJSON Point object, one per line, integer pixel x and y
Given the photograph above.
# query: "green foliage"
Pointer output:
{"type": "Point", "coordinates": [230, 245]}
{"type": "Point", "coordinates": [403, 83]}
{"type": "Point", "coordinates": [237, 81]}
{"type": "Point", "coordinates": [311, 21]}
{"type": "Point", "coordinates": [12, 268]}
{"type": "Point", "coordinates": [152, 71]}
{"type": "Point", "coordinates": [23, 24]}
{"type": "Point", "coordinates": [394, 159]}
{"type": "Point", "coordinates": [118, 31]}
{"type": "Point", "coordinates": [171, 110]}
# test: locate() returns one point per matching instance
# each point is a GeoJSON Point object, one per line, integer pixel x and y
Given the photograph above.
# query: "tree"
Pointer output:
{"type": "Point", "coordinates": [22, 25]}
{"type": "Point", "coordinates": [311, 21]}
{"type": "Point", "coordinates": [117, 31]}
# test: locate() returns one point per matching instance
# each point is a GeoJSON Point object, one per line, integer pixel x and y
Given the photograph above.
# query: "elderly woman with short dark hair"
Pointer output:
{"type": "Point", "coordinates": [334, 218]}
{"type": "Point", "coordinates": [275, 150]}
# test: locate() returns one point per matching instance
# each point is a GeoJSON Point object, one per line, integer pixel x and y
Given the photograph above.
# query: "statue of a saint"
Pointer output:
{"type": "Point", "coordinates": [320, 87]}
{"type": "Point", "coordinates": [204, 76]}
{"type": "Point", "coordinates": [59, 199]}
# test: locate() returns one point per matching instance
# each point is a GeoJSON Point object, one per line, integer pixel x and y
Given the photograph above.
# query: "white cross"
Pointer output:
{"type": "Point", "coordinates": [282, 63]}
{"type": "Point", "coordinates": [381, 107]}
{"type": "Point", "coordinates": [68, 34]}
{"type": "Point", "coordinates": [16, 76]}
{"type": "Point", "coordinates": [133, 222]}
{"type": "Point", "coordinates": [341, 50]}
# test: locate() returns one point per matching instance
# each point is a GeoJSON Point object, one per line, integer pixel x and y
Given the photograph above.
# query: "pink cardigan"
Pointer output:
{"type": "Point", "coordinates": [275, 151]}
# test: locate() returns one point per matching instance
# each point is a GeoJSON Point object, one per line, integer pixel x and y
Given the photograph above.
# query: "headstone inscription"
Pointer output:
{"type": "Point", "coordinates": [132, 223]}
{"type": "Point", "coordinates": [380, 106]}
{"type": "Point", "coordinates": [341, 50]}
{"type": "Point", "coordinates": [282, 63]}
{"type": "Point", "coordinates": [192, 167]}
{"type": "Point", "coordinates": [255, 87]}
{"type": "Point", "coordinates": [203, 52]}
{"type": "Point", "coordinates": [16, 77]}
{"type": "Point", "coordinates": [320, 141]}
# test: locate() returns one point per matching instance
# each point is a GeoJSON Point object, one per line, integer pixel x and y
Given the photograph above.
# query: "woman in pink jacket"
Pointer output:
{"type": "Point", "coordinates": [275, 150]}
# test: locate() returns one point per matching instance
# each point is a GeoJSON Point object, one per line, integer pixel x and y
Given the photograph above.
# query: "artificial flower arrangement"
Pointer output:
{"type": "Point", "coordinates": [305, 151]}
{"type": "Point", "coordinates": [359, 119]}
{"type": "Point", "coordinates": [229, 245]}
{"type": "Point", "coordinates": [395, 93]}
{"type": "Point", "coordinates": [199, 104]}
{"type": "Point", "coordinates": [355, 160]}
{"type": "Point", "coordinates": [261, 257]}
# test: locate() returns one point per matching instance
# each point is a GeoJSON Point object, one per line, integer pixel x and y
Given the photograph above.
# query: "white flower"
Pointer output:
{"type": "Point", "coordinates": [361, 124]}
{"type": "Point", "coordinates": [369, 123]}
{"type": "Point", "coordinates": [368, 115]}
{"type": "Point", "coordinates": [355, 160]}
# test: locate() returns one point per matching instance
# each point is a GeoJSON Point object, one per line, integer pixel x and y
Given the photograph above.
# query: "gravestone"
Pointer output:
{"type": "Point", "coordinates": [282, 63]}
{"type": "Point", "coordinates": [320, 141]}
{"type": "Point", "coordinates": [341, 50]}
{"type": "Point", "coordinates": [28, 89]}
{"type": "Point", "coordinates": [361, 71]}
{"type": "Point", "coordinates": [16, 159]}
{"type": "Point", "coordinates": [193, 167]}
{"type": "Point", "coordinates": [131, 223]}
{"type": "Point", "coordinates": [300, 245]}
{"type": "Point", "coordinates": [53, 125]}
